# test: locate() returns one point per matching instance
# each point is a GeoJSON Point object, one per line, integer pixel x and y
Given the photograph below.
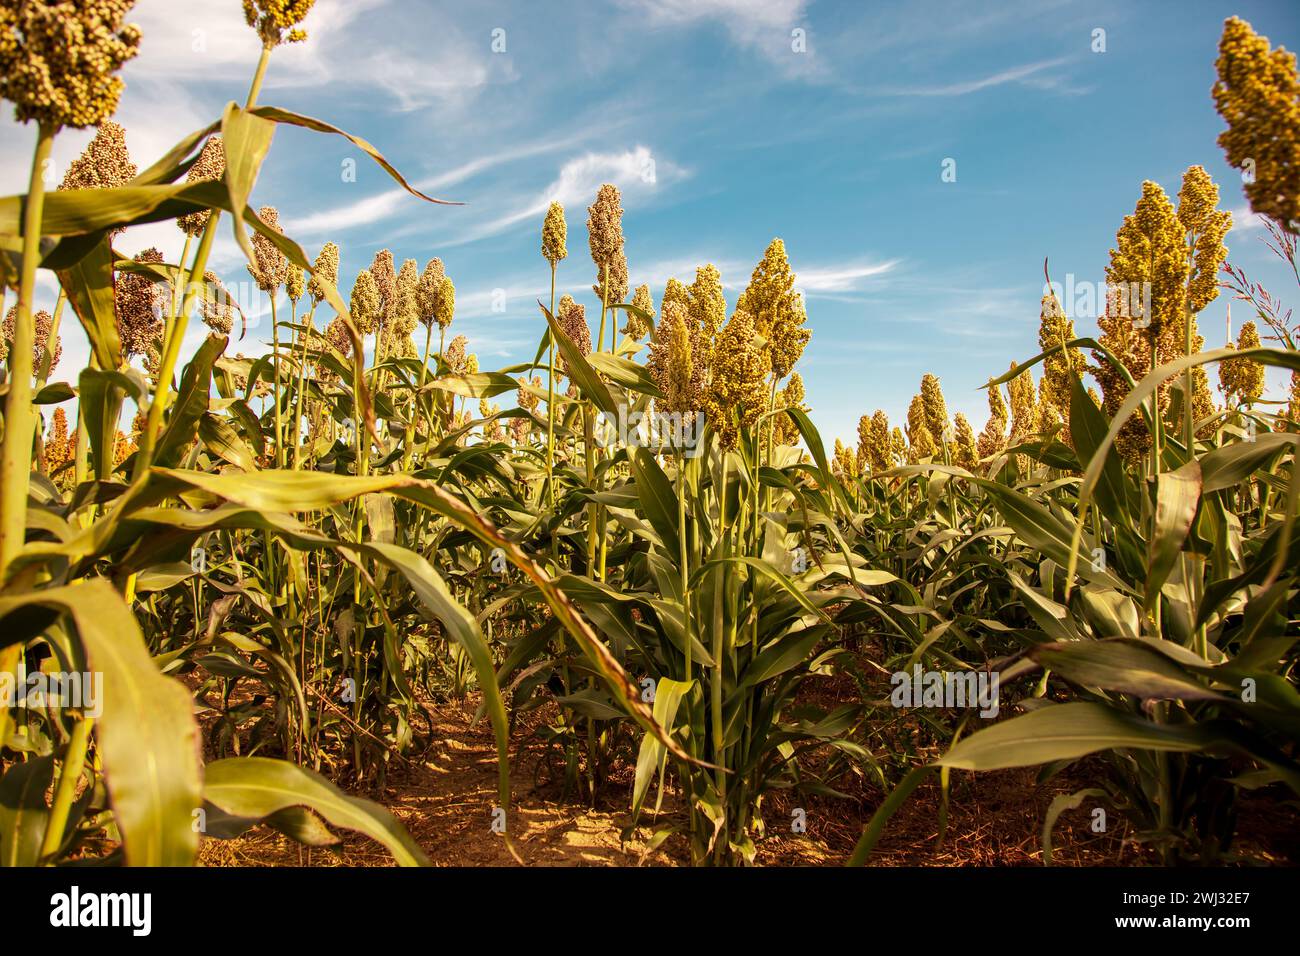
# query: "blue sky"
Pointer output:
{"type": "Point", "coordinates": [723, 133]}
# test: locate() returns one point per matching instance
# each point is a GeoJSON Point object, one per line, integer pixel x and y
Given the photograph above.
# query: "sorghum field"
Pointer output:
{"type": "Point", "coordinates": [358, 600]}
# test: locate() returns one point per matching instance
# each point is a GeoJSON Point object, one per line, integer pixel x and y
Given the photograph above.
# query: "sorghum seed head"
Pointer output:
{"type": "Point", "coordinates": [736, 397]}
{"type": "Point", "coordinates": [405, 312]}
{"type": "Point", "coordinates": [920, 441]}
{"type": "Point", "coordinates": [271, 266]}
{"type": "Point", "coordinates": [573, 326]}
{"type": "Point", "coordinates": [137, 303]}
{"type": "Point", "coordinates": [637, 327]}
{"type": "Point", "coordinates": [59, 59]}
{"type": "Point", "coordinates": [218, 310]}
{"type": "Point", "coordinates": [528, 398]}
{"type": "Point", "coordinates": [365, 302]}
{"type": "Point", "coordinates": [43, 325]}
{"type": "Point", "coordinates": [1201, 219]}
{"type": "Point", "coordinates": [669, 363]}
{"type": "Point", "coordinates": [385, 274]}
{"type": "Point", "coordinates": [1243, 379]}
{"type": "Point", "coordinates": [454, 357]}
{"type": "Point", "coordinates": [427, 291]}
{"type": "Point", "coordinates": [105, 163]}
{"type": "Point", "coordinates": [325, 270]}
{"type": "Point", "coordinates": [276, 21]}
{"type": "Point", "coordinates": [445, 310]}
{"type": "Point", "coordinates": [209, 167]}
{"type": "Point", "coordinates": [1256, 94]}
{"type": "Point", "coordinates": [605, 230]}
{"type": "Point", "coordinates": [555, 233]}
{"type": "Point", "coordinates": [936, 409]}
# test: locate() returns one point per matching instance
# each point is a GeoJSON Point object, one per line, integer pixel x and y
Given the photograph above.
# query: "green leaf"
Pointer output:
{"type": "Point", "coordinates": [191, 401]}
{"type": "Point", "coordinates": [651, 755]}
{"type": "Point", "coordinates": [246, 139]}
{"type": "Point", "coordinates": [88, 284]}
{"type": "Point", "coordinates": [579, 369]}
{"type": "Point", "coordinates": [1177, 495]}
{"type": "Point", "coordinates": [1066, 732]}
{"type": "Point", "coordinates": [657, 497]}
{"type": "Point", "coordinates": [148, 740]}
{"type": "Point", "coordinates": [258, 787]}
{"type": "Point", "coordinates": [23, 812]}
{"type": "Point", "coordinates": [1060, 803]}
{"type": "Point", "coordinates": [1129, 666]}
{"type": "Point", "coordinates": [222, 440]}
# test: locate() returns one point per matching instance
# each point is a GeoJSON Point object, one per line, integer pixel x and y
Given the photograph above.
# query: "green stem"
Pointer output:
{"type": "Point", "coordinates": [302, 380]}
{"type": "Point", "coordinates": [16, 460]}
{"type": "Point", "coordinates": [275, 385]}
{"type": "Point", "coordinates": [550, 408]}
{"type": "Point", "coordinates": [74, 761]}
{"type": "Point", "coordinates": [413, 427]}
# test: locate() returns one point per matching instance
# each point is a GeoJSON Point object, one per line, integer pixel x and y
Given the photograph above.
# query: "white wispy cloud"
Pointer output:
{"type": "Point", "coordinates": [349, 44]}
{"type": "Point", "coordinates": [847, 277]}
{"type": "Point", "coordinates": [763, 25]}
{"type": "Point", "coordinates": [1243, 220]}
{"type": "Point", "coordinates": [637, 172]}
{"type": "Point", "coordinates": [382, 205]}
{"type": "Point", "coordinates": [1016, 74]}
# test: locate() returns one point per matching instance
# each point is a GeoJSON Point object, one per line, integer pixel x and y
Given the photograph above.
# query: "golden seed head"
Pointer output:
{"type": "Point", "coordinates": [707, 309]}
{"type": "Point", "coordinates": [454, 357]}
{"type": "Point", "coordinates": [844, 463]}
{"type": "Point", "coordinates": [936, 409]}
{"type": "Point", "coordinates": [920, 441]}
{"type": "Point", "coordinates": [637, 327]}
{"type": "Point", "coordinates": [59, 59]}
{"type": "Point", "coordinates": [209, 167]}
{"type": "Point", "coordinates": [445, 309]}
{"type": "Point", "coordinates": [572, 320]}
{"type": "Point", "coordinates": [616, 281]}
{"type": "Point", "coordinates": [674, 291]}
{"type": "Point", "coordinates": [336, 334]}
{"type": "Point", "coordinates": [471, 364]}
{"type": "Point", "coordinates": [1206, 227]}
{"type": "Point", "coordinates": [1243, 379]}
{"type": "Point", "coordinates": [529, 399]}
{"type": "Point", "coordinates": [105, 163]}
{"type": "Point", "coordinates": [365, 302]}
{"type": "Point", "coordinates": [276, 21]}
{"type": "Point", "coordinates": [1257, 93]}
{"type": "Point", "coordinates": [385, 274]}
{"type": "Point", "coordinates": [669, 363]}
{"type": "Point", "coordinates": [404, 315]}
{"type": "Point", "coordinates": [427, 291]}
{"type": "Point", "coordinates": [325, 270]}
{"type": "Point", "coordinates": [137, 303]}
{"type": "Point", "coordinates": [605, 232]}
{"type": "Point", "coordinates": [964, 454]}
{"type": "Point", "coordinates": [519, 430]}
{"type": "Point", "coordinates": [874, 444]}
{"type": "Point", "coordinates": [43, 325]}
{"type": "Point", "coordinates": [784, 430]}
{"type": "Point", "coordinates": [294, 282]}
{"type": "Point", "coordinates": [735, 396]}
{"type": "Point", "coordinates": [994, 436]}
{"type": "Point", "coordinates": [1024, 406]}
{"type": "Point", "coordinates": [271, 267]}
{"type": "Point", "coordinates": [778, 310]}
{"type": "Point", "coordinates": [218, 308]}
{"type": "Point", "coordinates": [555, 233]}
{"type": "Point", "coordinates": [1054, 330]}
